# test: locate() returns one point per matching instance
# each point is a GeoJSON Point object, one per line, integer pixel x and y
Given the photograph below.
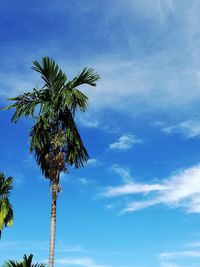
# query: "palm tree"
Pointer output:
{"type": "Point", "coordinates": [54, 139]}
{"type": "Point", "coordinates": [27, 262]}
{"type": "Point", "coordinates": [6, 211]}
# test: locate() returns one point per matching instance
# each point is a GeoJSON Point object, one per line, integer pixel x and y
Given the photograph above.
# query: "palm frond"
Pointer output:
{"type": "Point", "coordinates": [27, 262]}
{"type": "Point", "coordinates": [51, 73]}
{"type": "Point", "coordinates": [6, 211]}
{"type": "Point", "coordinates": [73, 99]}
{"type": "Point", "coordinates": [87, 76]}
{"type": "Point", "coordinates": [8, 221]}
{"type": "Point", "coordinates": [5, 186]}
{"type": "Point", "coordinates": [25, 104]}
{"type": "Point", "coordinates": [76, 153]}
{"type": "Point", "coordinates": [40, 142]}
{"type": "Point", "coordinates": [12, 263]}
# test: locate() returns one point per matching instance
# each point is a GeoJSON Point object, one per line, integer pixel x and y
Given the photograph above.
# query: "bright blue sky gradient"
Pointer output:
{"type": "Point", "coordinates": [137, 201]}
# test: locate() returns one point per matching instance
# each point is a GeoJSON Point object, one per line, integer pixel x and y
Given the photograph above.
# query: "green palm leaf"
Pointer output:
{"type": "Point", "coordinates": [27, 262]}
{"type": "Point", "coordinates": [52, 75]}
{"type": "Point", "coordinates": [6, 211]}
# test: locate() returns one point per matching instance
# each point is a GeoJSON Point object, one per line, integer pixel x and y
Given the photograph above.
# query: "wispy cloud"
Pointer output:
{"type": "Point", "coordinates": [88, 121]}
{"type": "Point", "coordinates": [61, 248]}
{"type": "Point", "coordinates": [21, 245]}
{"type": "Point", "coordinates": [125, 142]}
{"type": "Point", "coordinates": [84, 262]}
{"type": "Point", "coordinates": [194, 244]}
{"type": "Point", "coordinates": [169, 264]}
{"type": "Point", "coordinates": [15, 85]}
{"type": "Point", "coordinates": [162, 77]}
{"type": "Point", "coordinates": [84, 181]}
{"type": "Point", "coordinates": [123, 172]}
{"type": "Point", "coordinates": [9, 244]}
{"type": "Point", "coordinates": [155, 70]}
{"type": "Point", "coordinates": [156, 9]}
{"type": "Point", "coordinates": [181, 190]}
{"type": "Point", "coordinates": [64, 177]}
{"type": "Point", "coordinates": [181, 254]}
{"type": "Point", "coordinates": [93, 162]}
{"type": "Point", "coordinates": [41, 246]}
{"type": "Point", "coordinates": [189, 129]}
{"type": "Point", "coordinates": [132, 188]}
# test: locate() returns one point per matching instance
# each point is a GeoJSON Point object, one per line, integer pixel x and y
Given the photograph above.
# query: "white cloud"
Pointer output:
{"type": "Point", "coordinates": [84, 181]}
{"type": "Point", "coordinates": [184, 254]}
{"type": "Point", "coordinates": [66, 248]}
{"type": "Point", "coordinates": [10, 244]}
{"type": "Point", "coordinates": [40, 246]}
{"type": "Point", "coordinates": [181, 254]}
{"type": "Point", "coordinates": [163, 77]}
{"type": "Point", "coordinates": [169, 264]}
{"type": "Point", "coordinates": [125, 142]}
{"type": "Point", "coordinates": [93, 162]}
{"type": "Point", "coordinates": [145, 85]}
{"type": "Point", "coordinates": [87, 121]}
{"type": "Point", "coordinates": [157, 71]}
{"type": "Point", "coordinates": [84, 262]}
{"type": "Point", "coordinates": [123, 172]}
{"type": "Point", "coordinates": [16, 85]}
{"type": "Point", "coordinates": [194, 244]}
{"type": "Point", "coordinates": [178, 191]}
{"type": "Point", "coordinates": [132, 188]}
{"type": "Point", "coordinates": [189, 129]}
{"type": "Point", "coordinates": [64, 177]}
{"type": "Point", "coordinates": [153, 8]}
{"type": "Point", "coordinates": [138, 205]}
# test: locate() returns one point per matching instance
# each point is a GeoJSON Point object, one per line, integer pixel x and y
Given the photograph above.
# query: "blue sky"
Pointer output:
{"type": "Point", "coordinates": [137, 201]}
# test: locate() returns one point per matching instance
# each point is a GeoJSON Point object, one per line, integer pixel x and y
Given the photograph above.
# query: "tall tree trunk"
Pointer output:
{"type": "Point", "coordinates": [53, 223]}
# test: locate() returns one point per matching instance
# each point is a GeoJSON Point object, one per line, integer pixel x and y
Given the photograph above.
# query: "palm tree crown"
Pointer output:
{"type": "Point", "coordinates": [27, 262]}
{"type": "Point", "coordinates": [54, 138]}
{"type": "Point", "coordinates": [6, 211]}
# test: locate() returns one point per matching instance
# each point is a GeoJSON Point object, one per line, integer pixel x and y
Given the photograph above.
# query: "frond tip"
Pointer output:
{"type": "Point", "coordinates": [87, 76]}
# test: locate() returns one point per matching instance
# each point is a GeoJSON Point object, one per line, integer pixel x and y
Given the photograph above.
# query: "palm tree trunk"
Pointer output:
{"type": "Point", "coordinates": [53, 223]}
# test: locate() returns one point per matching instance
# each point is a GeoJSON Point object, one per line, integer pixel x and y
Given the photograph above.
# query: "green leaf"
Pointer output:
{"type": "Point", "coordinates": [6, 211]}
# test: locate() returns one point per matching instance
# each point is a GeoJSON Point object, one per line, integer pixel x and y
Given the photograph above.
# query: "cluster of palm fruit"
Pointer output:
{"type": "Point", "coordinates": [55, 163]}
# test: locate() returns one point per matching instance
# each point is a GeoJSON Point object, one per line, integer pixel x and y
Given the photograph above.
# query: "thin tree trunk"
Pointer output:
{"type": "Point", "coordinates": [53, 223]}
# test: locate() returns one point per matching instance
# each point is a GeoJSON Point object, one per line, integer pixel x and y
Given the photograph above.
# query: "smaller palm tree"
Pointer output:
{"type": "Point", "coordinates": [27, 262]}
{"type": "Point", "coordinates": [6, 211]}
